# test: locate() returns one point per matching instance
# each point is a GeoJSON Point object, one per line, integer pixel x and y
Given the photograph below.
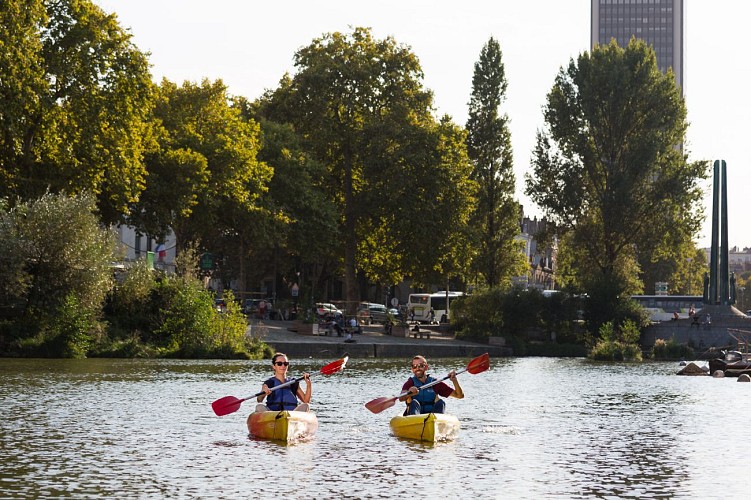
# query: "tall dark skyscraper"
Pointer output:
{"type": "Point", "coordinates": [657, 22]}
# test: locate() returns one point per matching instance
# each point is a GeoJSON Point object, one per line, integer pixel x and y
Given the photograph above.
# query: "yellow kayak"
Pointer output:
{"type": "Point", "coordinates": [288, 426]}
{"type": "Point", "coordinates": [430, 427]}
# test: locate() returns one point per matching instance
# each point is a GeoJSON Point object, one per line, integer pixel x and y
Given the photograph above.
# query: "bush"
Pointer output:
{"type": "Point", "coordinates": [514, 313]}
{"type": "Point", "coordinates": [189, 325]}
{"type": "Point", "coordinates": [479, 316]}
{"type": "Point", "coordinates": [670, 350]}
{"type": "Point", "coordinates": [152, 314]}
{"type": "Point", "coordinates": [617, 344]}
{"type": "Point", "coordinates": [73, 329]}
{"type": "Point", "coordinates": [55, 275]}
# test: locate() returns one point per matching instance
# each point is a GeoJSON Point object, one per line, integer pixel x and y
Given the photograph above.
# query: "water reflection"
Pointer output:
{"type": "Point", "coordinates": [530, 427]}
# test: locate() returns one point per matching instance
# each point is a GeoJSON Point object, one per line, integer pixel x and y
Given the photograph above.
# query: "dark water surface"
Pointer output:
{"type": "Point", "coordinates": [531, 428]}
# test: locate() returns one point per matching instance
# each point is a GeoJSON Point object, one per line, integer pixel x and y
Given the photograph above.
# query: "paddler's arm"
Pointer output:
{"type": "Point", "coordinates": [458, 393]}
{"type": "Point", "coordinates": [410, 389]}
{"type": "Point", "coordinates": [308, 392]}
{"type": "Point", "coordinates": [266, 392]}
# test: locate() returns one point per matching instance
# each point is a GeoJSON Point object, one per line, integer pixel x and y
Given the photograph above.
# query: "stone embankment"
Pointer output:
{"type": "Point", "coordinates": [373, 342]}
{"type": "Point", "coordinates": [726, 325]}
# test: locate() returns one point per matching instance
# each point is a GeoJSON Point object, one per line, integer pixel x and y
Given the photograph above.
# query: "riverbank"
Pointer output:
{"type": "Point", "coordinates": [372, 343]}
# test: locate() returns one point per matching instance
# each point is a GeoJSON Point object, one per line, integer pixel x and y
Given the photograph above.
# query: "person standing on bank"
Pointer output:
{"type": "Point", "coordinates": [285, 398]}
{"type": "Point", "coordinates": [427, 400]}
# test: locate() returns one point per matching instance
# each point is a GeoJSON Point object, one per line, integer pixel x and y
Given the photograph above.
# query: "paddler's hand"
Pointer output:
{"type": "Point", "coordinates": [413, 390]}
{"type": "Point", "coordinates": [266, 389]}
{"type": "Point", "coordinates": [452, 375]}
{"type": "Point", "coordinates": [306, 377]}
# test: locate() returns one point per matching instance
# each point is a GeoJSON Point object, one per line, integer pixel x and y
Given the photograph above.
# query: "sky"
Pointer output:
{"type": "Point", "coordinates": [250, 45]}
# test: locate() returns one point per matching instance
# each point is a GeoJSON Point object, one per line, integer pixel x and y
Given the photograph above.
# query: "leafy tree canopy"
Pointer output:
{"type": "Point", "coordinates": [361, 109]}
{"type": "Point", "coordinates": [204, 178]}
{"type": "Point", "coordinates": [75, 101]}
{"type": "Point", "coordinates": [609, 165]}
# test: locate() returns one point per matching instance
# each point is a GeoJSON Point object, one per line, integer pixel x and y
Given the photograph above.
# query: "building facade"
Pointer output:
{"type": "Point", "coordinates": [660, 23]}
{"type": "Point", "coordinates": [137, 246]}
{"type": "Point", "coordinates": [542, 261]}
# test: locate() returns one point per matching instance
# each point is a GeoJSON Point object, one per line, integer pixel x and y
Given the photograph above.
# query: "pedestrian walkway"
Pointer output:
{"type": "Point", "coordinates": [373, 342]}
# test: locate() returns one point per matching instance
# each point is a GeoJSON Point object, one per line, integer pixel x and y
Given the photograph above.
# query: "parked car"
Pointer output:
{"type": "Point", "coordinates": [396, 314]}
{"type": "Point", "coordinates": [369, 313]}
{"type": "Point", "coordinates": [324, 309]}
{"type": "Point", "coordinates": [250, 306]}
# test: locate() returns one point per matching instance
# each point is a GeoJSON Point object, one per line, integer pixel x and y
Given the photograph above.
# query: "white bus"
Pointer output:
{"type": "Point", "coordinates": [422, 303]}
{"type": "Point", "coordinates": [662, 307]}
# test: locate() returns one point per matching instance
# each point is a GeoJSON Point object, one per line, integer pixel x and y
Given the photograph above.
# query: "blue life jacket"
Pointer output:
{"type": "Point", "coordinates": [284, 398]}
{"type": "Point", "coordinates": [426, 397]}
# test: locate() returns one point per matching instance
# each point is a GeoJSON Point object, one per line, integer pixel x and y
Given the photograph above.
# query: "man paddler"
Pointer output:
{"type": "Point", "coordinates": [428, 400]}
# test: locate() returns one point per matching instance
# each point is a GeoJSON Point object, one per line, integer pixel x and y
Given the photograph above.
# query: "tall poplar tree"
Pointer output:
{"type": "Point", "coordinates": [609, 167]}
{"type": "Point", "coordinates": [496, 216]}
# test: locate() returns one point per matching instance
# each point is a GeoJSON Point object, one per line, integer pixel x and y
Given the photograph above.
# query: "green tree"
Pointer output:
{"type": "Point", "coordinates": [359, 105]}
{"type": "Point", "coordinates": [22, 83]}
{"type": "Point", "coordinates": [303, 226]}
{"type": "Point", "coordinates": [679, 262]}
{"type": "Point", "coordinates": [609, 166]}
{"type": "Point", "coordinates": [496, 214]}
{"type": "Point", "coordinates": [75, 96]}
{"type": "Point", "coordinates": [58, 274]}
{"type": "Point", "coordinates": [205, 181]}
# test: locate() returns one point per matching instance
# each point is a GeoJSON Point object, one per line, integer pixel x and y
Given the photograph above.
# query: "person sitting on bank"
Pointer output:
{"type": "Point", "coordinates": [695, 320]}
{"type": "Point", "coordinates": [675, 316]}
{"type": "Point", "coordinates": [285, 398]}
{"type": "Point", "coordinates": [431, 316]}
{"type": "Point", "coordinates": [354, 326]}
{"type": "Point", "coordinates": [427, 400]}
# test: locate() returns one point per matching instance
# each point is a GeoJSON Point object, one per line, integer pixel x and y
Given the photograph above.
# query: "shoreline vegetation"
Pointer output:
{"type": "Point", "coordinates": [69, 302]}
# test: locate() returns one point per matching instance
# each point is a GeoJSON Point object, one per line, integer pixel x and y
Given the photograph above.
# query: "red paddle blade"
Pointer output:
{"type": "Point", "coordinates": [380, 404]}
{"type": "Point", "coordinates": [479, 364]}
{"type": "Point", "coordinates": [335, 366]}
{"type": "Point", "coordinates": [226, 405]}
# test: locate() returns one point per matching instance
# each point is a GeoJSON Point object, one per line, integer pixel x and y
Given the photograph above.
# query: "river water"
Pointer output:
{"type": "Point", "coordinates": [531, 427]}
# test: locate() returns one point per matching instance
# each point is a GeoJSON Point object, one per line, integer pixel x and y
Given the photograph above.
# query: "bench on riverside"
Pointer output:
{"type": "Point", "coordinates": [416, 331]}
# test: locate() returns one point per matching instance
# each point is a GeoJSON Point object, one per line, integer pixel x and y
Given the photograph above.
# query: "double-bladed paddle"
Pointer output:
{"type": "Point", "coordinates": [477, 365]}
{"type": "Point", "coordinates": [230, 404]}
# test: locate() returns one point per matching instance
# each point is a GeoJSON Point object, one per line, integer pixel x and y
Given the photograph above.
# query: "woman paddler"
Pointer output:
{"type": "Point", "coordinates": [285, 398]}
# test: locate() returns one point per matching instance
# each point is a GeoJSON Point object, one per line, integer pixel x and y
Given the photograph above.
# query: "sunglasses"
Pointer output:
{"type": "Point", "coordinates": [421, 365]}
{"type": "Point", "coordinates": [282, 363]}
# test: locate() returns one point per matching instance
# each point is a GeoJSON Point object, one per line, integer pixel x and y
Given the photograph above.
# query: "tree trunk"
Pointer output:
{"type": "Point", "coordinates": [350, 239]}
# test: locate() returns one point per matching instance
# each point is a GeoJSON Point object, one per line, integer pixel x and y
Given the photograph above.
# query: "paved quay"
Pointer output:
{"type": "Point", "coordinates": [372, 343]}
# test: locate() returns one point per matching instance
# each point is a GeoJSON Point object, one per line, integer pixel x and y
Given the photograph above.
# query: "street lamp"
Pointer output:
{"type": "Point", "coordinates": [689, 259]}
